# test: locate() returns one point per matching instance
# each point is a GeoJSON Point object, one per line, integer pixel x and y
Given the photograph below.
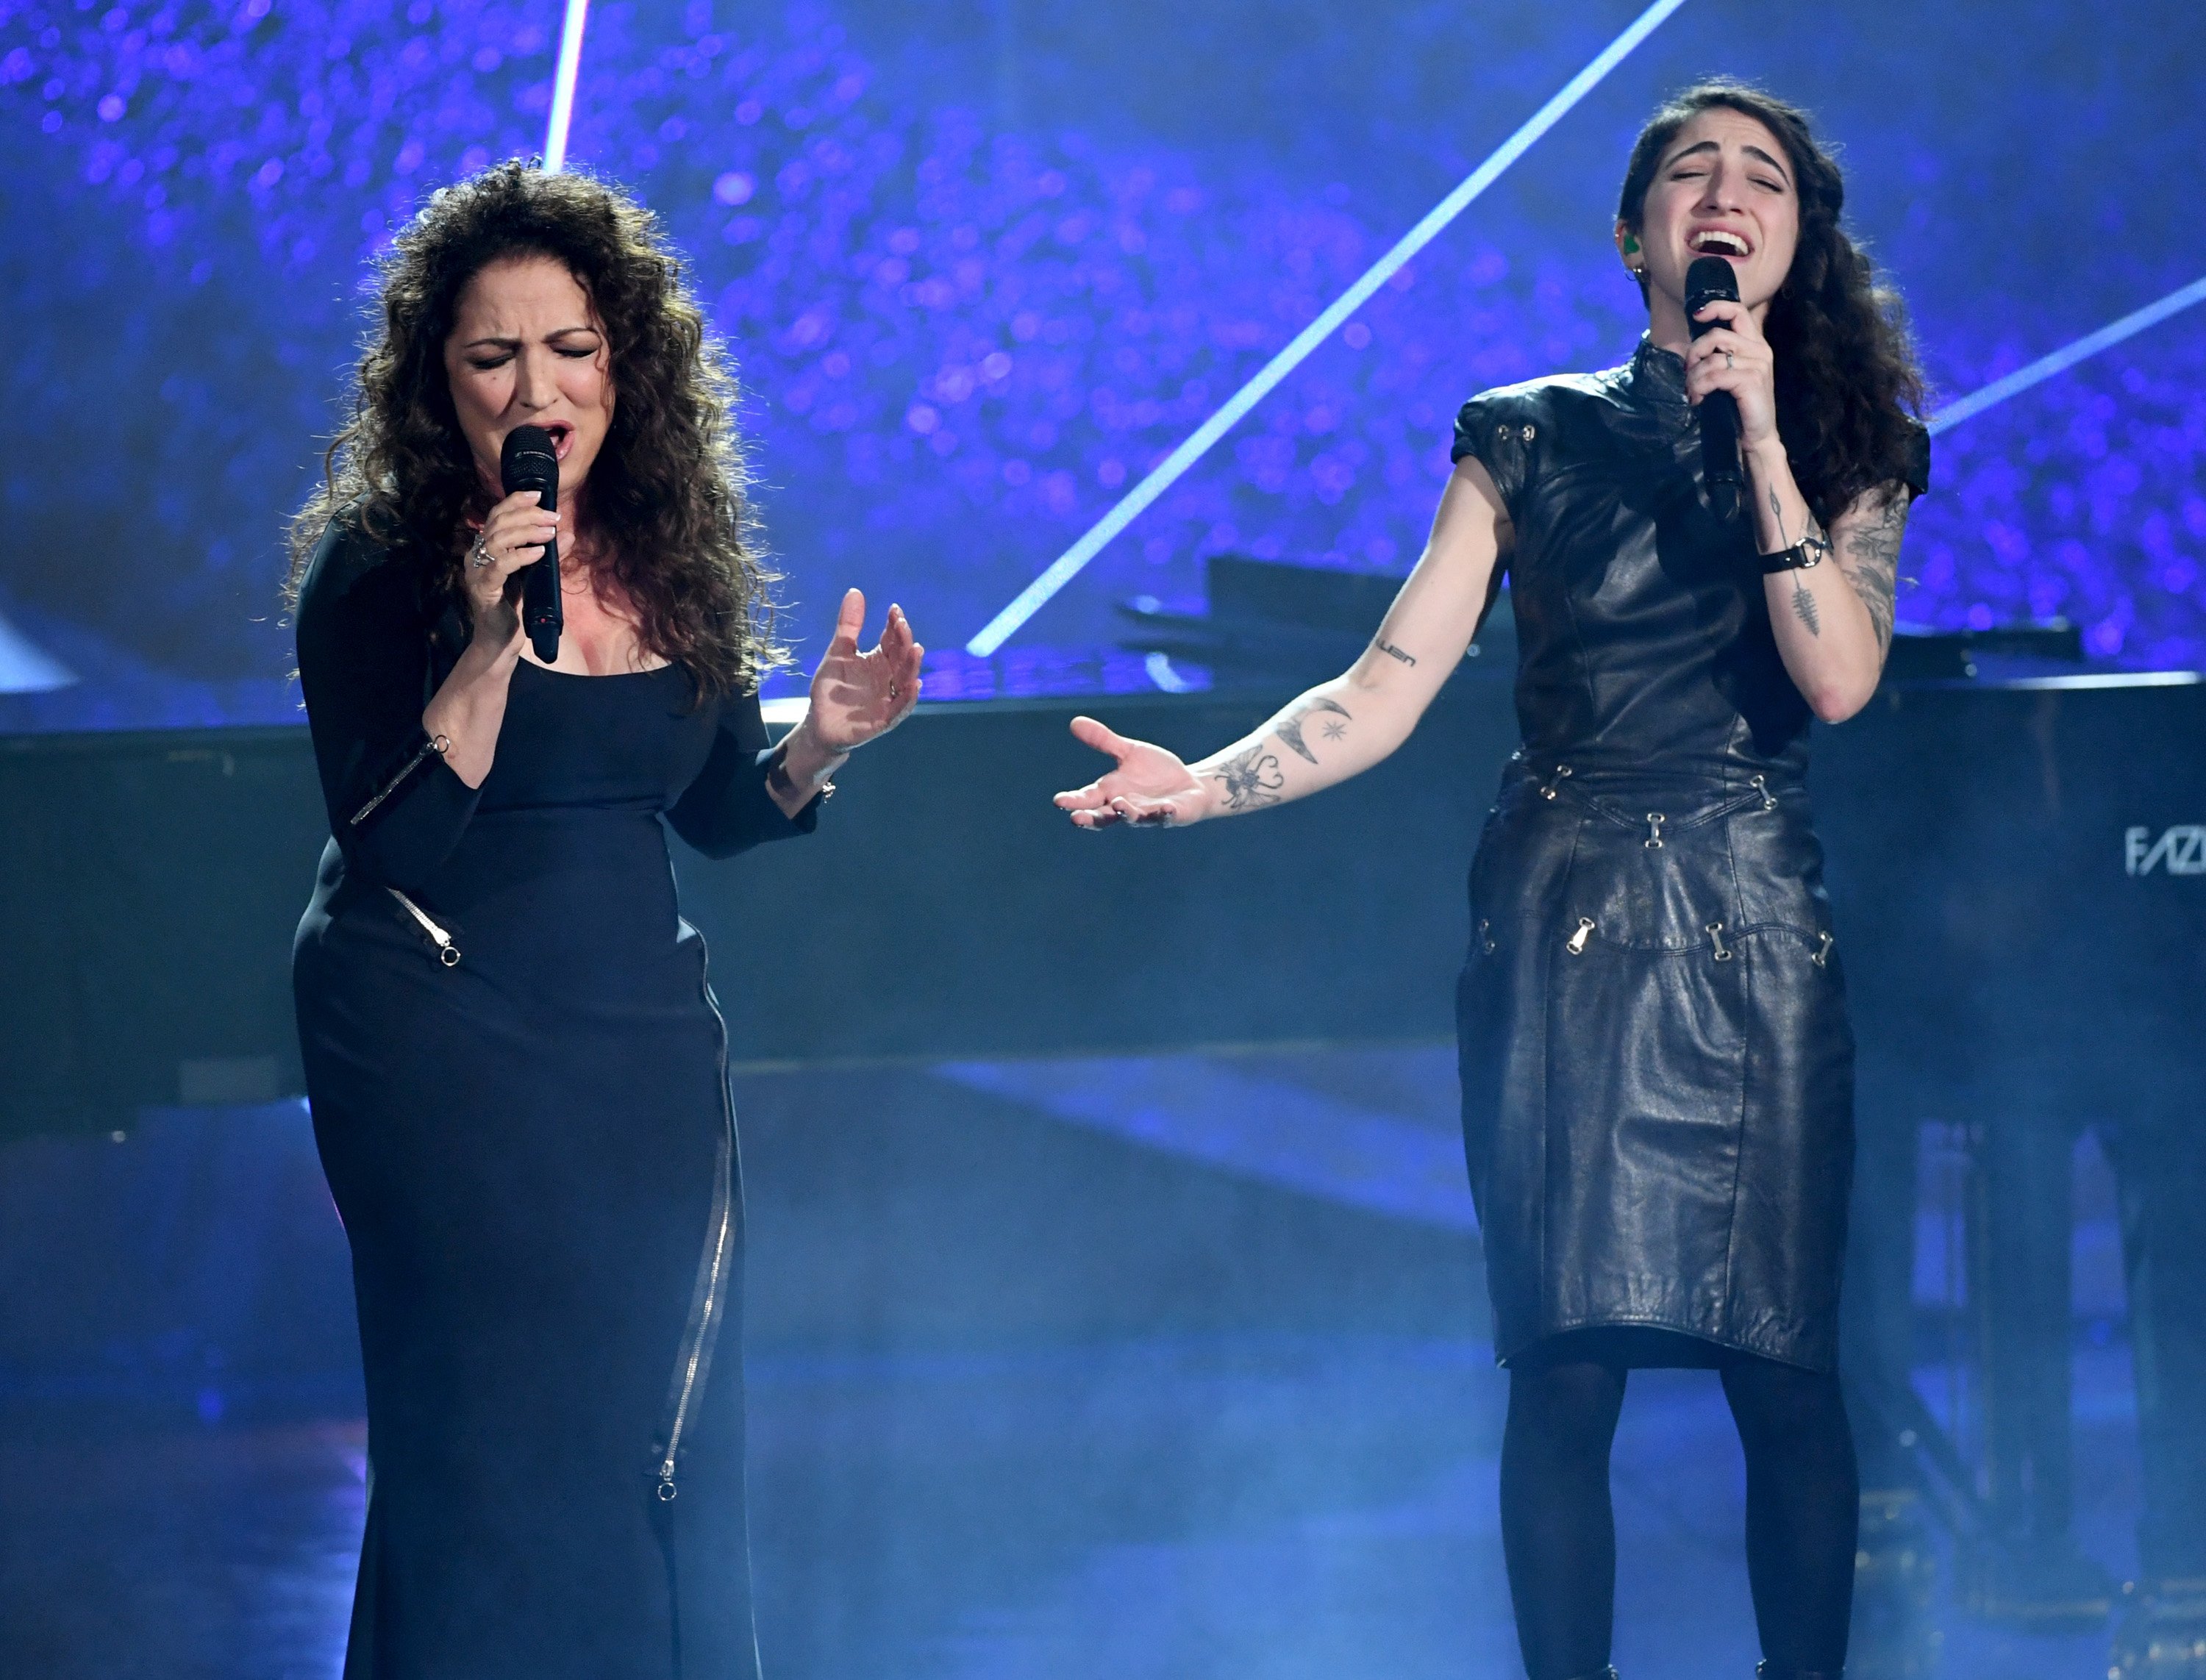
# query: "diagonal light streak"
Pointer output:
{"type": "Point", "coordinates": [562, 86]}
{"type": "Point", "coordinates": [1068, 565]}
{"type": "Point", "coordinates": [2067, 356]}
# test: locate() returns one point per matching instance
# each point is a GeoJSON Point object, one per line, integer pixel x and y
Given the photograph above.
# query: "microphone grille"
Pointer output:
{"type": "Point", "coordinates": [1709, 279]}
{"type": "Point", "coordinates": [528, 460]}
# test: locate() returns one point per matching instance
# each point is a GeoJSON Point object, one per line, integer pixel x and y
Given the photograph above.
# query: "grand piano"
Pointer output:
{"type": "Point", "coordinates": [2018, 866]}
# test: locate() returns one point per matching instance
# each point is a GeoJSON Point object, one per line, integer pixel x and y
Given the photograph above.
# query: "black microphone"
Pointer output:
{"type": "Point", "coordinates": [1710, 280]}
{"type": "Point", "coordinates": [530, 461]}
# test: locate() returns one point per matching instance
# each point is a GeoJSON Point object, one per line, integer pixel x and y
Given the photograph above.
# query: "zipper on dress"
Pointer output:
{"type": "Point", "coordinates": [447, 952]}
{"type": "Point", "coordinates": [428, 746]}
{"type": "Point", "coordinates": [695, 1357]}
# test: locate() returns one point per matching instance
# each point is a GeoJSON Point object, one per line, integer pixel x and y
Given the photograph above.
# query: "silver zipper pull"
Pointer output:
{"type": "Point", "coordinates": [1715, 939]}
{"type": "Point", "coordinates": [1820, 956]}
{"type": "Point", "coordinates": [1576, 944]}
{"type": "Point", "coordinates": [447, 952]}
{"type": "Point", "coordinates": [1769, 798]}
{"type": "Point", "coordinates": [666, 1488]}
{"type": "Point", "coordinates": [1561, 770]}
{"type": "Point", "coordinates": [1654, 821]}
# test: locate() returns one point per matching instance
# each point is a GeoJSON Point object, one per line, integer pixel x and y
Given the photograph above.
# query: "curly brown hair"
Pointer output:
{"type": "Point", "coordinates": [1848, 384]}
{"type": "Point", "coordinates": [668, 490]}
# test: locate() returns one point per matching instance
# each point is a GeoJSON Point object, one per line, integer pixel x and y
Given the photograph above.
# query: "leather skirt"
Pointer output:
{"type": "Point", "coordinates": [1657, 1067]}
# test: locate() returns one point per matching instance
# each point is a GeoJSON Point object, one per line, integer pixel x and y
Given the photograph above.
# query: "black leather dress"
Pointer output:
{"type": "Point", "coordinates": [1657, 1067]}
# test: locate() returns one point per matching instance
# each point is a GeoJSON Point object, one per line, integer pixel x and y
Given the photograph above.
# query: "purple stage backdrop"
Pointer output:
{"type": "Point", "coordinates": [982, 265]}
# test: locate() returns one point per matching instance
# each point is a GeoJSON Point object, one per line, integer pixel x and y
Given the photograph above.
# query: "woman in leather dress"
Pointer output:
{"type": "Point", "coordinates": [517, 1071]}
{"type": "Point", "coordinates": [1657, 1070]}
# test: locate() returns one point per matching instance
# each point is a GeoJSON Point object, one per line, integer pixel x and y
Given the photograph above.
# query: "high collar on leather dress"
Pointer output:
{"type": "Point", "coordinates": [1655, 383]}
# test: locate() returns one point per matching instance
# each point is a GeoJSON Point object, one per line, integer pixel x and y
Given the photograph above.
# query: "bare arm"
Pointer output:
{"type": "Point", "coordinates": [467, 711]}
{"type": "Point", "coordinates": [1340, 727]}
{"type": "Point", "coordinates": [468, 708]}
{"type": "Point", "coordinates": [1833, 622]}
{"type": "Point", "coordinates": [1833, 619]}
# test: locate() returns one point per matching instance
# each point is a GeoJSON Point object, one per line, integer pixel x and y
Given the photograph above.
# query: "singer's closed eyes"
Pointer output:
{"type": "Point", "coordinates": [531, 621]}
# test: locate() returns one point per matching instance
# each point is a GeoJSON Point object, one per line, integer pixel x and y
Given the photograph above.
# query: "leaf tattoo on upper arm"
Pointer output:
{"type": "Point", "coordinates": [1289, 726]}
{"type": "Point", "coordinates": [1869, 553]}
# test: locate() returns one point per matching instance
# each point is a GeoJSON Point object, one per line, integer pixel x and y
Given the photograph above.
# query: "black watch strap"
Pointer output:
{"type": "Point", "coordinates": [1797, 558]}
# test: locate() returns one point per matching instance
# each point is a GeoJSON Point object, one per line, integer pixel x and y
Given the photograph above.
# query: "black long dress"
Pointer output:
{"type": "Point", "coordinates": [1657, 1067]}
{"type": "Point", "coordinates": [519, 1084]}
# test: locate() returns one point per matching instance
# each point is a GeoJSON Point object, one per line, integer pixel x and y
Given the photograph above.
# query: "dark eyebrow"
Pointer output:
{"type": "Point", "coordinates": [1756, 152]}
{"type": "Point", "coordinates": [515, 343]}
{"type": "Point", "coordinates": [1712, 145]}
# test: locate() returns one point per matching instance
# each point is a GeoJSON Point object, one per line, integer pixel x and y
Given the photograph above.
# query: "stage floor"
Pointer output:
{"type": "Point", "coordinates": [1082, 1436]}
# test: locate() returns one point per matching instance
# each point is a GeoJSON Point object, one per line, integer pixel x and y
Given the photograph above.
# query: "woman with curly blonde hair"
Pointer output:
{"type": "Point", "coordinates": [517, 1070]}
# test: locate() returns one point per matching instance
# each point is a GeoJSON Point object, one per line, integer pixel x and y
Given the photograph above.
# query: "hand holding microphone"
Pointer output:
{"type": "Point", "coordinates": [1731, 375]}
{"type": "Point", "coordinates": [529, 461]}
{"type": "Point", "coordinates": [513, 538]}
{"type": "Point", "coordinates": [521, 530]}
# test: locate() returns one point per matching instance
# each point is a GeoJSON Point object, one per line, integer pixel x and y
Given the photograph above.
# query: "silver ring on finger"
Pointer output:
{"type": "Point", "coordinates": [479, 556]}
{"type": "Point", "coordinates": [1727, 362]}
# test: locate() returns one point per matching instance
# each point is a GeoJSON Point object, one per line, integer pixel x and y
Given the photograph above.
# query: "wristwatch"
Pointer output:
{"type": "Point", "coordinates": [1797, 558]}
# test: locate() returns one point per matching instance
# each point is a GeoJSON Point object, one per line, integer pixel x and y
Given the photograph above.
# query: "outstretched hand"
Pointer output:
{"type": "Point", "coordinates": [858, 696]}
{"type": "Point", "coordinates": [1150, 787]}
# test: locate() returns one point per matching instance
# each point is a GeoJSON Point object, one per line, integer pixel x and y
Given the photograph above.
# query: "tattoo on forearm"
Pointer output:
{"type": "Point", "coordinates": [1289, 726]}
{"type": "Point", "coordinates": [1812, 537]}
{"type": "Point", "coordinates": [1392, 652]}
{"type": "Point", "coordinates": [1251, 777]}
{"type": "Point", "coordinates": [1805, 607]}
{"type": "Point", "coordinates": [1871, 556]}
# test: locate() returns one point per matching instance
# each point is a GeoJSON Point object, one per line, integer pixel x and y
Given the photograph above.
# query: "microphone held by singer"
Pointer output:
{"type": "Point", "coordinates": [530, 461]}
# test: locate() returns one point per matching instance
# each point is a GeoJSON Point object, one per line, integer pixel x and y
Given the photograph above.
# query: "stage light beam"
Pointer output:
{"type": "Point", "coordinates": [562, 85]}
{"type": "Point", "coordinates": [2067, 356]}
{"type": "Point", "coordinates": [1068, 565]}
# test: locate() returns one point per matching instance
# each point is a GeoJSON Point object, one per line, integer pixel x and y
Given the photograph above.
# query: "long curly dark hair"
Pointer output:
{"type": "Point", "coordinates": [1847, 380]}
{"type": "Point", "coordinates": [667, 492]}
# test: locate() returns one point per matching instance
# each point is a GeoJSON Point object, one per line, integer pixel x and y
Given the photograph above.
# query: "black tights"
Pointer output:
{"type": "Point", "coordinates": [1558, 1528]}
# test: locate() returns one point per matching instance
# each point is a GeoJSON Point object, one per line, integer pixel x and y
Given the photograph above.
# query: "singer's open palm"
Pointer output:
{"type": "Point", "coordinates": [1150, 786]}
{"type": "Point", "coordinates": [857, 696]}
